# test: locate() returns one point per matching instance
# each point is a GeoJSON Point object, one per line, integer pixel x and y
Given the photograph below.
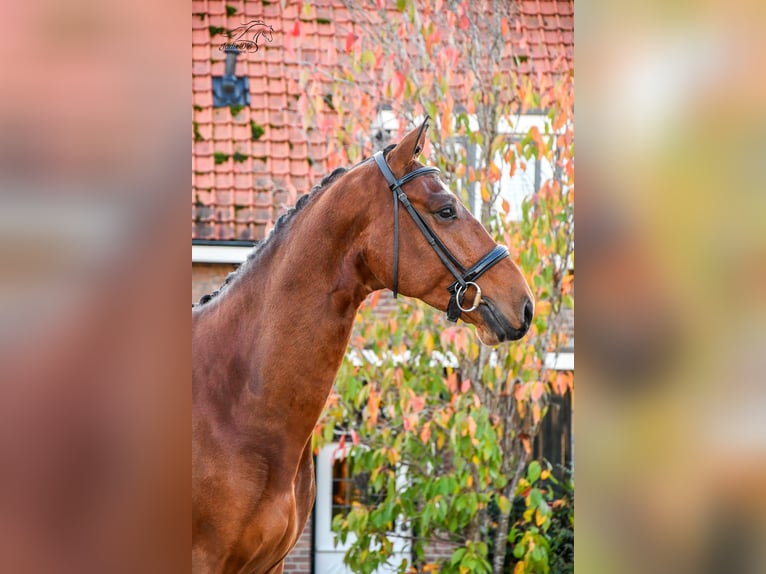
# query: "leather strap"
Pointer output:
{"type": "Point", "coordinates": [396, 187]}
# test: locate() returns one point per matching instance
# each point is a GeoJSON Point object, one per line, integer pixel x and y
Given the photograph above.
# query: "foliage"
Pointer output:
{"type": "Point", "coordinates": [197, 135]}
{"type": "Point", "coordinates": [256, 130]}
{"type": "Point", "coordinates": [441, 426]}
{"type": "Point", "coordinates": [542, 536]}
{"type": "Point", "coordinates": [236, 109]}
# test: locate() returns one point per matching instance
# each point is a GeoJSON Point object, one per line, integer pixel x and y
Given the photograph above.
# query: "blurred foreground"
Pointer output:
{"type": "Point", "coordinates": [670, 431]}
{"type": "Point", "coordinates": [94, 398]}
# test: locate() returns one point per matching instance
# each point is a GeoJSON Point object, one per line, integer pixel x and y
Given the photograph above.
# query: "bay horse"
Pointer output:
{"type": "Point", "coordinates": [267, 347]}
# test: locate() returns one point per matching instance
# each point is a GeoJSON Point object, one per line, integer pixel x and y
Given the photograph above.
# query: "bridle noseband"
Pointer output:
{"type": "Point", "coordinates": [463, 277]}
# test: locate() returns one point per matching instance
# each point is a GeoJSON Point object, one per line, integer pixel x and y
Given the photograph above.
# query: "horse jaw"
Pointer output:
{"type": "Point", "coordinates": [487, 336]}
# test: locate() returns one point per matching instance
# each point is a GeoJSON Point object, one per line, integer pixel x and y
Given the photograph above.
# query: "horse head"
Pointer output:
{"type": "Point", "coordinates": [446, 257]}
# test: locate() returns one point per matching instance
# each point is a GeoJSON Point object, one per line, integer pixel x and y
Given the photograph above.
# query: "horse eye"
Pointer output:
{"type": "Point", "coordinates": [447, 213]}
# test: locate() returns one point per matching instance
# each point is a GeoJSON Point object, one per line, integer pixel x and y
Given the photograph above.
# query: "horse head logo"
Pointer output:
{"type": "Point", "coordinates": [245, 37]}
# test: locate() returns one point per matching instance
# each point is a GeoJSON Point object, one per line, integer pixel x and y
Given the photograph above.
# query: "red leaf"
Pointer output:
{"type": "Point", "coordinates": [400, 80]}
{"type": "Point", "coordinates": [296, 28]}
{"type": "Point", "coordinates": [463, 22]}
{"type": "Point", "coordinates": [350, 39]}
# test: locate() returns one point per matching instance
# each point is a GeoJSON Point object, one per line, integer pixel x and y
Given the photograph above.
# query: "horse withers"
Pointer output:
{"type": "Point", "coordinates": [267, 346]}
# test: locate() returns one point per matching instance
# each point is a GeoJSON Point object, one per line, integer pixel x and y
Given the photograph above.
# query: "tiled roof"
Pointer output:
{"type": "Point", "coordinates": [247, 167]}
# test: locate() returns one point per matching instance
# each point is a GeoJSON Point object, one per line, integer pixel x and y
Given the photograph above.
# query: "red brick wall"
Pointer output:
{"type": "Point", "coordinates": [299, 560]}
{"type": "Point", "coordinates": [207, 277]}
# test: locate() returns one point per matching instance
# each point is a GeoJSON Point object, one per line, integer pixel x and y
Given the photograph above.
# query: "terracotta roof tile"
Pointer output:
{"type": "Point", "coordinates": [202, 148]}
{"type": "Point", "coordinates": [238, 199]}
{"type": "Point", "coordinates": [202, 179]}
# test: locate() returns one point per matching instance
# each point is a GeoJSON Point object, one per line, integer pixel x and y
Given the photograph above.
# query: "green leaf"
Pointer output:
{"type": "Point", "coordinates": [533, 471]}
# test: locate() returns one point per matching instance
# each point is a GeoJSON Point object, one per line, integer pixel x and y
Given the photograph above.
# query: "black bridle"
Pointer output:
{"type": "Point", "coordinates": [463, 277]}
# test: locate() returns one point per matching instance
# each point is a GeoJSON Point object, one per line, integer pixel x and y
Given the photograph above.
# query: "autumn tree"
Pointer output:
{"type": "Point", "coordinates": [417, 396]}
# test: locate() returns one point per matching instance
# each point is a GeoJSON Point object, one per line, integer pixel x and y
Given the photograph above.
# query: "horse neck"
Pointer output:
{"type": "Point", "coordinates": [292, 312]}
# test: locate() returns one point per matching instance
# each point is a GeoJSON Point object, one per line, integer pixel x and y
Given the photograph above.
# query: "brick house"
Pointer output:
{"type": "Point", "coordinates": [250, 163]}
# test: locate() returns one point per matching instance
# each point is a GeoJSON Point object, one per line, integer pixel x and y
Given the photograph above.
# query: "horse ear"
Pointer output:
{"type": "Point", "coordinates": [408, 149]}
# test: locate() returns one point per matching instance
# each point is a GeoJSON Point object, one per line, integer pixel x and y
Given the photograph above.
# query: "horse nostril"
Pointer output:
{"type": "Point", "coordinates": [528, 312]}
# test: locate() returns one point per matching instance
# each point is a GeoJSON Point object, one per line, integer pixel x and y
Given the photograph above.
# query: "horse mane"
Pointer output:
{"type": "Point", "coordinates": [280, 225]}
{"type": "Point", "coordinates": [276, 232]}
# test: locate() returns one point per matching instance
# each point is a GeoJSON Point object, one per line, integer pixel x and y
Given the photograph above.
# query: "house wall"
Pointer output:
{"type": "Point", "coordinates": [207, 277]}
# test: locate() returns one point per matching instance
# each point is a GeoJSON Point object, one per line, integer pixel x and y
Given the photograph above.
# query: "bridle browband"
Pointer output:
{"type": "Point", "coordinates": [463, 277]}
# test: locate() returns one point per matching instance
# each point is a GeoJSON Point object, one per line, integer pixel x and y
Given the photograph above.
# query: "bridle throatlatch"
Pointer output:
{"type": "Point", "coordinates": [464, 278]}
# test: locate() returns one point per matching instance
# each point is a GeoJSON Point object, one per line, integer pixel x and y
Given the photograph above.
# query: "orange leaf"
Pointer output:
{"type": "Point", "coordinates": [526, 444]}
{"type": "Point", "coordinates": [373, 405]}
{"type": "Point", "coordinates": [494, 173]}
{"type": "Point", "coordinates": [425, 433]}
{"type": "Point", "coordinates": [452, 381]}
{"type": "Point", "coordinates": [465, 385]}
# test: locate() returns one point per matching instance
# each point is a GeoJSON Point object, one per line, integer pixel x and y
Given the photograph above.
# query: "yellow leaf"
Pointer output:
{"type": "Point", "coordinates": [469, 481]}
{"type": "Point", "coordinates": [429, 342]}
{"type": "Point", "coordinates": [539, 518]}
{"type": "Point", "coordinates": [545, 475]}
